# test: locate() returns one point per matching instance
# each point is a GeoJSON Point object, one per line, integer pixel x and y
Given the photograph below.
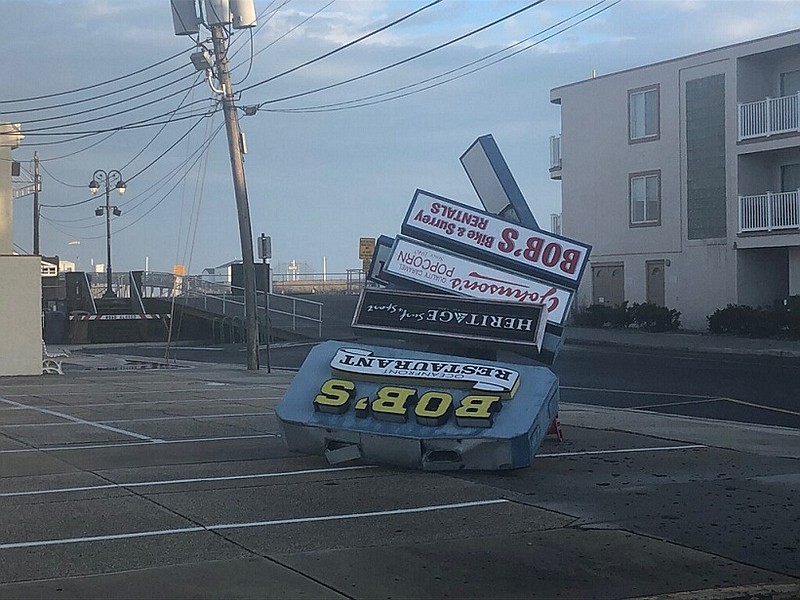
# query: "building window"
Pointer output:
{"type": "Point", "coordinates": [645, 198]}
{"type": "Point", "coordinates": [790, 83]}
{"type": "Point", "coordinates": [643, 121]}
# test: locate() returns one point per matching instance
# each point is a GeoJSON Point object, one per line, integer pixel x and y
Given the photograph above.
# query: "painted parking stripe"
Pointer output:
{"type": "Point", "coordinates": [145, 419]}
{"type": "Point", "coordinates": [103, 389]}
{"type": "Point", "coordinates": [622, 451]}
{"type": "Point", "coordinates": [138, 484]}
{"type": "Point", "coordinates": [226, 526]}
{"type": "Point", "coordinates": [634, 392]}
{"type": "Point", "coordinates": [147, 443]}
{"type": "Point", "coordinates": [144, 402]}
{"type": "Point", "coordinates": [61, 415]}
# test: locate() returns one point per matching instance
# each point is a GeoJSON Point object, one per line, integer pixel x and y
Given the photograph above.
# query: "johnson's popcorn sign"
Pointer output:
{"type": "Point", "coordinates": [440, 270]}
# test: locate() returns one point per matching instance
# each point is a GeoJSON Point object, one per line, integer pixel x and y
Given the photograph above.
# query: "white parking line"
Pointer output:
{"type": "Point", "coordinates": [622, 451]}
{"type": "Point", "coordinates": [109, 486]}
{"type": "Point", "coordinates": [152, 442]}
{"type": "Point", "coordinates": [146, 402]}
{"type": "Point", "coordinates": [144, 420]}
{"type": "Point", "coordinates": [61, 415]}
{"type": "Point", "coordinates": [634, 392]}
{"type": "Point", "coordinates": [82, 391]}
{"type": "Point", "coordinates": [224, 526]}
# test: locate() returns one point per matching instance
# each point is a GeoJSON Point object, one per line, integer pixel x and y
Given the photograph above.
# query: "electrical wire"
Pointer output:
{"type": "Point", "coordinates": [366, 100]}
{"type": "Point", "coordinates": [98, 97]}
{"type": "Point", "coordinates": [403, 61]}
{"type": "Point", "coordinates": [345, 46]}
{"type": "Point", "coordinates": [149, 122]}
{"type": "Point", "coordinates": [196, 154]}
{"type": "Point", "coordinates": [112, 104]}
{"type": "Point", "coordinates": [96, 85]}
{"type": "Point", "coordinates": [300, 24]}
{"type": "Point", "coordinates": [39, 130]}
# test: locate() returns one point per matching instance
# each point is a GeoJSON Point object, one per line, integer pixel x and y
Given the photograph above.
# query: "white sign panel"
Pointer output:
{"type": "Point", "coordinates": [460, 227]}
{"type": "Point", "coordinates": [438, 269]}
{"type": "Point", "coordinates": [482, 377]}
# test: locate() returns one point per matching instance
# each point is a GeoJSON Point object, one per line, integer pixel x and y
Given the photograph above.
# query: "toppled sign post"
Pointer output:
{"type": "Point", "coordinates": [460, 287]}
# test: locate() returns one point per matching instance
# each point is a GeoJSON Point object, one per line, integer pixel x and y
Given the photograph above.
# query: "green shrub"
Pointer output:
{"type": "Point", "coordinates": [647, 316]}
{"type": "Point", "coordinates": [652, 317]}
{"type": "Point", "coordinates": [745, 320]}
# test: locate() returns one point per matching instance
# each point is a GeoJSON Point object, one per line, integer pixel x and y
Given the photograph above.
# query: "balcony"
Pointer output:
{"type": "Point", "coordinates": [771, 116]}
{"type": "Point", "coordinates": [772, 211]}
{"type": "Point", "coordinates": [555, 157]}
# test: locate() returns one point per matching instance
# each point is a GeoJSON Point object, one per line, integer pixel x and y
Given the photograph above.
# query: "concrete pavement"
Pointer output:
{"type": "Point", "coordinates": [118, 481]}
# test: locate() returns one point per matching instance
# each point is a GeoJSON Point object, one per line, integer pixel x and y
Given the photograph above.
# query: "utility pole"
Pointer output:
{"type": "Point", "coordinates": [36, 185]}
{"type": "Point", "coordinates": [240, 190]}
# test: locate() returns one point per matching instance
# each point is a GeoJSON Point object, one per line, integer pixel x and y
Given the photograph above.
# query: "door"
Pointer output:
{"type": "Point", "coordinates": [655, 282]}
{"type": "Point", "coordinates": [790, 178]}
{"type": "Point", "coordinates": [608, 284]}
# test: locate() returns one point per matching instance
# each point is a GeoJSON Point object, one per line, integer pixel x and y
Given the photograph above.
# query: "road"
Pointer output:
{"type": "Point", "coordinates": [748, 389]}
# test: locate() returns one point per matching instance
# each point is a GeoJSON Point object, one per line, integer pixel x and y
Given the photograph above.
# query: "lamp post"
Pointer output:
{"type": "Point", "coordinates": [106, 178]}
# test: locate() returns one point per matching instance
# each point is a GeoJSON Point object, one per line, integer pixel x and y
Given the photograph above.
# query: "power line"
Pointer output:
{"type": "Point", "coordinates": [345, 46]}
{"type": "Point", "coordinates": [112, 104]}
{"type": "Point", "coordinates": [98, 97]}
{"type": "Point", "coordinates": [96, 85]}
{"type": "Point", "coordinates": [39, 130]}
{"type": "Point", "coordinates": [403, 61]}
{"type": "Point", "coordinates": [381, 97]}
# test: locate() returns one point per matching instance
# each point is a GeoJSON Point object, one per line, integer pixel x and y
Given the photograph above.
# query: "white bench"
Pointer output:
{"type": "Point", "coordinates": [51, 363]}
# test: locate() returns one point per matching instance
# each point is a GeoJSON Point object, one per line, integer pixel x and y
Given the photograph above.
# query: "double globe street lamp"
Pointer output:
{"type": "Point", "coordinates": [107, 178]}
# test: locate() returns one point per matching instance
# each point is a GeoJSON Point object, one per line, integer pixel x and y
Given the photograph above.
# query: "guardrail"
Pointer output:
{"type": "Point", "coordinates": [769, 211]}
{"type": "Point", "coordinates": [295, 314]}
{"type": "Point", "coordinates": [770, 116]}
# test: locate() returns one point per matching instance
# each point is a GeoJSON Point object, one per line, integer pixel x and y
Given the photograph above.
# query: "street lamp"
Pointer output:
{"type": "Point", "coordinates": [106, 178]}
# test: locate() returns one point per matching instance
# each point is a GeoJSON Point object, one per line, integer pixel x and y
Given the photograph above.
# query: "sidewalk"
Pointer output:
{"type": "Point", "coordinates": [690, 342]}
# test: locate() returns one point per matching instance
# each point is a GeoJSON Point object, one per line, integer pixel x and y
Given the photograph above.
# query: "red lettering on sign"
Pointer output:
{"type": "Point", "coordinates": [570, 261]}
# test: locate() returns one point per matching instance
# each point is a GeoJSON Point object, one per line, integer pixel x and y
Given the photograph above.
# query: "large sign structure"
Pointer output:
{"type": "Point", "coordinates": [417, 410]}
{"type": "Point", "coordinates": [472, 283]}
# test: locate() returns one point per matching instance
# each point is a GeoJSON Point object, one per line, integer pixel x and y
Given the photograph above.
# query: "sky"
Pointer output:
{"type": "Point", "coordinates": [323, 169]}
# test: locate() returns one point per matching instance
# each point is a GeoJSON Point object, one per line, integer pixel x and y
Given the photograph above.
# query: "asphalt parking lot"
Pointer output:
{"type": "Point", "coordinates": [175, 483]}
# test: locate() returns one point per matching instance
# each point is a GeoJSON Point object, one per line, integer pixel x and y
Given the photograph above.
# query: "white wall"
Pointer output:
{"type": "Point", "coordinates": [21, 315]}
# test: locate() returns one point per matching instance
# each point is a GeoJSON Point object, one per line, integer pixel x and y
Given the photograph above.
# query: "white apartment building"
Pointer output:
{"type": "Point", "coordinates": [684, 176]}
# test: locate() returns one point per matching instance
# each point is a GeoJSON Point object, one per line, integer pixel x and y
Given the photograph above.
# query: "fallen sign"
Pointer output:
{"type": "Point", "coordinates": [417, 409]}
{"type": "Point", "coordinates": [439, 315]}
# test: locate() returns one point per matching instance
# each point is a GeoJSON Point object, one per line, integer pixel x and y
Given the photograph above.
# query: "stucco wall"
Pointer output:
{"type": "Point", "coordinates": [20, 315]}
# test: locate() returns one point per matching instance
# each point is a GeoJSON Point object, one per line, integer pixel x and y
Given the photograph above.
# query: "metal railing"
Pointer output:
{"type": "Point", "coordinates": [555, 152]}
{"type": "Point", "coordinates": [286, 312]}
{"type": "Point", "coordinates": [769, 211]}
{"type": "Point", "coordinates": [770, 116]}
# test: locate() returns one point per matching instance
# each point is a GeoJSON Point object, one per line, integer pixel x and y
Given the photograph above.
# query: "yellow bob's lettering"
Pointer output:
{"type": "Point", "coordinates": [477, 411]}
{"type": "Point", "coordinates": [434, 408]}
{"type": "Point", "coordinates": [393, 403]}
{"type": "Point", "coordinates": [390, 405]}
{"type": "Point", "coordinates": [334, 396]}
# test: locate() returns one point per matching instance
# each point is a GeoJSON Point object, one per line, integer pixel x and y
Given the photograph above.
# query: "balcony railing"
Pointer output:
{"type": "Point", "coordinates": [769, 117]}
{"type": "Point", "coordinates": [771, 211]}
{"type": "Point", "coordinates": [555, 152]}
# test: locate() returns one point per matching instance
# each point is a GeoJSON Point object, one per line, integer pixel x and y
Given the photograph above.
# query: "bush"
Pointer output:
{"type": "Point", "coordinates": [652, 317]}
{"type": "Point", "coordinates": [647, 316]}
{"type": "Point", "coordinates": [600, 315]}
{"type": "Point", "coordinates": [745, 320]}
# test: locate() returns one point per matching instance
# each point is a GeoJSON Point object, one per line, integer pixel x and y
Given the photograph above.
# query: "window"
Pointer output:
{"type": "Point", "coordinates": [790, 83]}
{"type": "Point", "coordinates": [645, 198]}
{"type": "Point", "coordinates": [643, 122]}
{"type": "Point", "coordinates": [790, 178]}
